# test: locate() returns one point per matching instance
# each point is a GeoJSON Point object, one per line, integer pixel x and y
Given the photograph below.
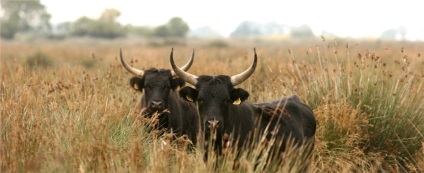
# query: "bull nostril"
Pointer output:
{"type": "Point", "coordinates": [157, 103]}
{"type": "Point", "coordinates": [213, 123]}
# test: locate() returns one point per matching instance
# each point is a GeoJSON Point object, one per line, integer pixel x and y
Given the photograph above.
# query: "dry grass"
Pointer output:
{"type": "Point", "coordinates": [79, 114]}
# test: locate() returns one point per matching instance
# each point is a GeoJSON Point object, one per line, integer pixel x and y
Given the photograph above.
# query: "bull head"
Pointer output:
{"type": "Point", "coordinates": [157, 84]}
{"type": "Point", "coordinates": [214, 96]}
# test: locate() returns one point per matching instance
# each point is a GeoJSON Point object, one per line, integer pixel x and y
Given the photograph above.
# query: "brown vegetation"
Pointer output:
{"type": "Point", "coordinates": [79, 114]}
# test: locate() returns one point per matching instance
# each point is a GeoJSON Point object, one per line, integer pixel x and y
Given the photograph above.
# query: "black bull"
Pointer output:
{"type": "Point", "coordinates": [159, 85]}
{"type": "Point", "coordinates": [290, 117]}
{"type": "Point", "coordinates": [284, 119]}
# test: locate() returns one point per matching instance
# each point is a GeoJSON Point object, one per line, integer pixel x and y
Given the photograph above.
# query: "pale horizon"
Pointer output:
{"type": "Point", "coordinates": [357, 19]}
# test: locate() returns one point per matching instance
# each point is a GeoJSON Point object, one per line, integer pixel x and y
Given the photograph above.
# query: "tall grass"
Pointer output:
{"type": "Point", "coordinates": [70, 117]}
{"type": "Point", "coordinates": [384, 93]}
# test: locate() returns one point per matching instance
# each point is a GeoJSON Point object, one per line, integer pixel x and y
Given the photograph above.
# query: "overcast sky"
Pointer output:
{"type": "Point", "coordinates": [354, 18]}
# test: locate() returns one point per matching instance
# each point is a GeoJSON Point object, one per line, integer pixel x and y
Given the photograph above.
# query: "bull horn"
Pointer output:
{"type": "Point", "coordinates": [189, 78]}
{"type": "Point", "coordinates": [185, 67]}
{"type": "Point", "coordinates": [130, 69]}
{"type": "Point", "coordinates": [239, 78]}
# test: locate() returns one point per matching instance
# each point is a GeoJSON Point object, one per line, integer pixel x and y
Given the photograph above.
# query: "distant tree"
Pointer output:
{"type": "Point", "coordinates": [106, 26]}
{"type": "Point", "coordinates": [138, 30]}
{"type": "Point", "coordinates": [162, 31]}
{"type": "Point", "coordinates": [303, 31]}
{"type": "Point", "coordinates": [176, 27]}
{"type": "Point", "coordinates": [82, 26]}
{"type": "Point", "coordinates": [246, 29]}
{"type": "Point", "coordinates": [23, 16]}
{"type": "Point", "coordinates": [110, 15]}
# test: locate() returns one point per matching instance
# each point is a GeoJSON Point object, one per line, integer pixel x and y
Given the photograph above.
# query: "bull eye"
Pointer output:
{"type": "Point", "coordinates": [227, 101]}
{"type": "Point", "coordinates": [147, 86]}
{"type": "Point", "coordinates": [200, 101]}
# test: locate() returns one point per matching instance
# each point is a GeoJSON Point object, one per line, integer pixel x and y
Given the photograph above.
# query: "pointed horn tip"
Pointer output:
{"type": "Point", "coordinates": [171, 58]}
{"type": "Point", "coordinates": [172, 51]}
{"type": "Point", "coordinates": [239, 78]}
{"type": "Point", "coordinates": [120, 54]}
{"type": "Point", "coordinates": [128, 67]}
{"type": "Point", "coordinates": [255, 55]}
{"type": "Point", "coordinates": [171, 55]}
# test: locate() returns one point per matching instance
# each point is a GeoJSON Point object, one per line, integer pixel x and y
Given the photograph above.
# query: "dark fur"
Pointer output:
{"type": "Point", "coordinates": [215, 96]}
{"type": "Point", "coordinates": [158, 85]}
{"type": "Point", "coordinates": [296, 120]}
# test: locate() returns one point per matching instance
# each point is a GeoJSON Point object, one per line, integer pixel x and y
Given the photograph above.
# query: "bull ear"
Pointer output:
{"type": "Point", "coordinates": [137, 83]}
{"type": "Point", "coordinates": [238, 95]}
{"type": "Point", "coordinates": [177, 83]}
{"type": "Point", "coordinates": [188, 93]}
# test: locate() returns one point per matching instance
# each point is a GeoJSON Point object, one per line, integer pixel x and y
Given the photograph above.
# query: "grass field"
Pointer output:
{"type": "Point", "coordinates": [68, 106]}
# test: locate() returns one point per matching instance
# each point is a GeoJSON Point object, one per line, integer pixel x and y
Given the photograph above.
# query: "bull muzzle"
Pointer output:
{"type": "Point", "coordinates": [156, 106]}
{"type": "Point", "coordinates": [213, 124]}
{"type": "Point", "coordinates": [213, 133]}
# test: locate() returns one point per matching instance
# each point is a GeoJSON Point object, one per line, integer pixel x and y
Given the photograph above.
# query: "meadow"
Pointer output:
{"type": "Point", "coordinates": [66, 106]}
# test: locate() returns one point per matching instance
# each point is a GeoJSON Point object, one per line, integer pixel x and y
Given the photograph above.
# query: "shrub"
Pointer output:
{"type": "Point", "coordinates": [39, 59]}
{"type": "Point", "coordinates": [88, 63]}
{"type": "Point", "coordinates": [218, 43]}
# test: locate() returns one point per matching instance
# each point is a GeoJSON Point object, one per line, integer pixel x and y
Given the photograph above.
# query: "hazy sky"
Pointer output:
{"type": "Point", "coordinates": [356, 18]}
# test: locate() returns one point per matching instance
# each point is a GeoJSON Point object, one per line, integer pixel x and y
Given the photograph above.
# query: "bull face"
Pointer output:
{"type": "Point", "coordinates": [157, 85]}
{"type": "Point", "coordinates": [214, 96]}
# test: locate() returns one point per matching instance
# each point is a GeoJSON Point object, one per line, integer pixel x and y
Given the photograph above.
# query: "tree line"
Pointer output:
{"type": "Point", "coordinates": [31, 17]}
